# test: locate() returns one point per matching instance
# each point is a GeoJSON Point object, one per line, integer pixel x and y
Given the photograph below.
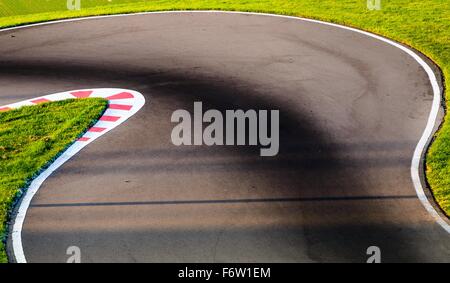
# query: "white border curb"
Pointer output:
{"type": "Point", "coordinates": [421, 146]}
{"type": "Point", "coordinates": [122, 105]}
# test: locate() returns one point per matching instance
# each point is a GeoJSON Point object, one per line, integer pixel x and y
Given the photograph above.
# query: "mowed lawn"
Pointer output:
{"type": "Point", "coordinates": [32, 136]}
{"type": "Point", "coordinates": [422, 24]}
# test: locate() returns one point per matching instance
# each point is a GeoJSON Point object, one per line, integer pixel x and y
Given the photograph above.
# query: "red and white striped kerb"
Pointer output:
{"type": "Point", "coordinates": [122, 105]}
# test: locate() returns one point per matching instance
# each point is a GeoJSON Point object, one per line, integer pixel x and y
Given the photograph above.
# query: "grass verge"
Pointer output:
{"type": "Point", "coordinates": [31, 137]}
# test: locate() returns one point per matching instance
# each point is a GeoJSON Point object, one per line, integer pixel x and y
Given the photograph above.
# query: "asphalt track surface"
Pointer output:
{"type": "Point", "coordinates": [352, 109]}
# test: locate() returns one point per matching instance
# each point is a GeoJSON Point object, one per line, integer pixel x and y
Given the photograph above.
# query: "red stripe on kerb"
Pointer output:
{"type": "Point", "coordinates": [120, 106]}
{"type": "Point", "coordinates": [122, 95]}
{"type": "Point", "coordinates": [109, 118]}
{"type": "Point", "coordinates": [82, 139]}
{"type": "Point", "coordinates": [40, 100]}
{"type": "Point", "coordinates": [4, 109]}
{"type": "Point", "coordinates": [81, 94]}
{"type": "Point", "coordinates": [96, 129]}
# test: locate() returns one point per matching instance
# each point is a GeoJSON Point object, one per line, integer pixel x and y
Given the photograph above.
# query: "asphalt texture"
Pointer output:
{"type": "Point", "coordinates": [352, 109]}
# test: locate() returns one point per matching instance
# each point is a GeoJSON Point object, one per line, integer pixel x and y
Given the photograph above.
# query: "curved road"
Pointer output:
{"type": "Point", "coordinates": [352, 110]}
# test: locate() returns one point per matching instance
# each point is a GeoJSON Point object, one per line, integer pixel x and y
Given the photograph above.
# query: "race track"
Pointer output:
{"type": "Point", "coordinates": [352, 110]}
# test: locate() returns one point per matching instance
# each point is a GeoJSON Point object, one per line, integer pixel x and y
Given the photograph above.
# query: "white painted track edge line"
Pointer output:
{"type": "Point", "coordinates": [428, 131]}
{"type": "Point", "coordinates": [137, 102]}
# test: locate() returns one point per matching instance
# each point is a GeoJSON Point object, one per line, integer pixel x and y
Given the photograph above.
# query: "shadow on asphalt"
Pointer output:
{"type": "Point", "coordinates": [308, 166]}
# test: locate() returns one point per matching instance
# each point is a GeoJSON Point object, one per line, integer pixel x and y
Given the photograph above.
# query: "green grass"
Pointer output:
{"type": "Point", "coordinates": [422, 24]}
{"type": "Point", "coordinates": [438, 168]}
{"type": "Point", "coordinates": [32, 136]}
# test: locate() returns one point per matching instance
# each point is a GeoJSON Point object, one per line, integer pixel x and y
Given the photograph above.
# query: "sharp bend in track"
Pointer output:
{"type": "Point", "coordinates": [353, 108]}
